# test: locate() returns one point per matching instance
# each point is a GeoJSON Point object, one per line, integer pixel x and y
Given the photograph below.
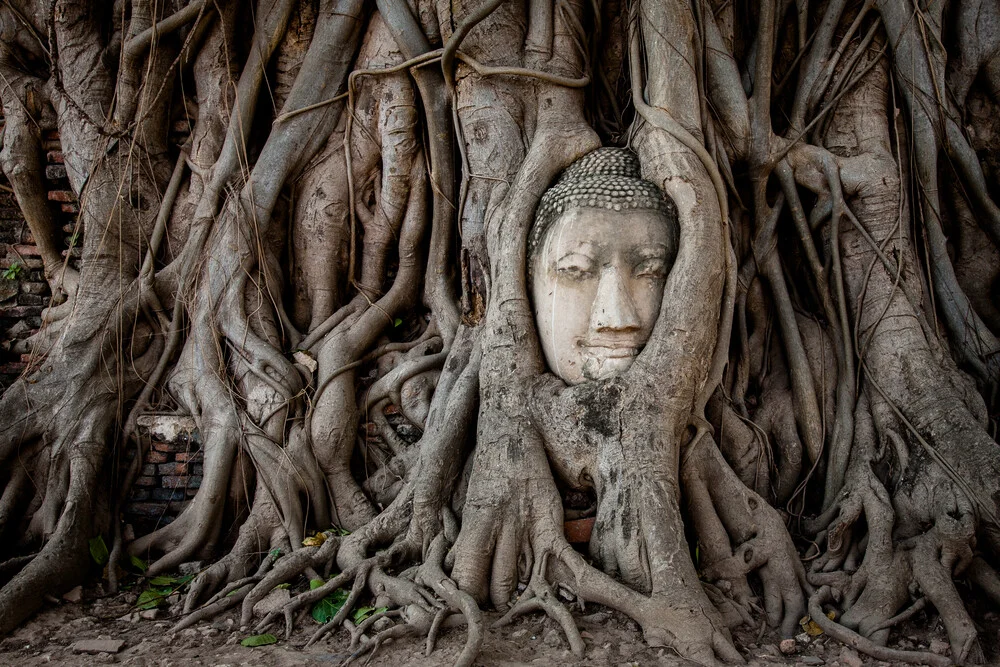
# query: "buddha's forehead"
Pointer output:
{"type": "Point", "coordinates": [600, 228]}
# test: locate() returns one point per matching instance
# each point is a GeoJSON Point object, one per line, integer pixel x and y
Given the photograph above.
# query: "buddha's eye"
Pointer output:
{"type": "Point", "coordinates": [576, 267]}
{"type": "Point", "coordinates": [652, 267]}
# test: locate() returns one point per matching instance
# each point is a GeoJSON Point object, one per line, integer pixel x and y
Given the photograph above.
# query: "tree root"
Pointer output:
{"type": "Point", "coordinates": [850, 638]}
{"type": "Point", "coordinates": [539, 596]}
{"type": "Point", "coordinates": [722, 507]}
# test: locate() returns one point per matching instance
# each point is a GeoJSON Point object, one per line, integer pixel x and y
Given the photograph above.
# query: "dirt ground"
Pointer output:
{"type": "Point", "coordinates": [611, 639]}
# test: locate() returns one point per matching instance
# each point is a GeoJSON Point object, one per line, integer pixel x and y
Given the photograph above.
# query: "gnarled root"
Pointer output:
{"type": "Point", "coordinates": [937, 548]}
{"type": "Point", "coordinates": [725, 511]}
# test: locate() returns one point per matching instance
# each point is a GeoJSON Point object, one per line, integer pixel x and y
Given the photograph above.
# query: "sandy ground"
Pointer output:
{"type": "Point", "coordinates": [611, 639]}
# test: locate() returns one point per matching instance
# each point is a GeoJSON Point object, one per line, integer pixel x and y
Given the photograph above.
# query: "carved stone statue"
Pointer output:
{"type": "Point", "coordinates": [599, 252]}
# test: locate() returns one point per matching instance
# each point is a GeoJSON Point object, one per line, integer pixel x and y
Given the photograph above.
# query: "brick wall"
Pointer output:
{"type": "Point", "coordinates": [23, 290]}
{"type": "Point", "coordinates": [171, 472]}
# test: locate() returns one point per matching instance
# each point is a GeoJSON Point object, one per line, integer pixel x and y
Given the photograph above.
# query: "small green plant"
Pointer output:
{"type": "Point", "coordinates": [324, 610]}
{"type": "Point", "coordinates": [259, 640]}
{"type": "Point", "coordinates": [159, 588]}
{"type": "Point", "coordinates": [13, 272]}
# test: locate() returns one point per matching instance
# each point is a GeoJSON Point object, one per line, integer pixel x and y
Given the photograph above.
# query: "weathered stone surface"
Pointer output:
{"type": "Point", "coordinates": [850, 658]}
{"type": "Point", "coordinates": [167, 428]}
{"type": "Point", "coordinates": [98, 646]}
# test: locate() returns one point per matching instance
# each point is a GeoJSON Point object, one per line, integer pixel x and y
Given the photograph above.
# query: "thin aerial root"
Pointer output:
{"type": "Point", "coordinates": [558, 612]}
{"type": "Point", "coordinates": [302, 600]}
{"type": "Point", "coordinates": [212, 610]}
{"type": "Point", "coordinates": [288, 568]}
{"type": "Point", "coordinates": [235, 586]}
{"type": "Point", "coordinates": [866, 646]}
{"type": "Point", "coordinates": [358, 631]}
{"type": "Point", "coordinates": [901, 617]}
{"type": "Point", "coordinates": [254, 579]}
{"type": "Point", "coordinates": [540, 597]}
{"type": "Point", "coordinates": [526, 604]}
{"type": "Point", "coordinates": [394, 632]}
{"type": "Point", "coordinates": [433, 576]}
{"type": "Point", "coordinates": [360, 581]}
{"type": "Point", "coordinates": [435, 628]}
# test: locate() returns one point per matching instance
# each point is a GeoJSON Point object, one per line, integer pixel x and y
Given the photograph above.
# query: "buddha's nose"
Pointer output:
{"type": "Point", "coordinates": [613, 309]}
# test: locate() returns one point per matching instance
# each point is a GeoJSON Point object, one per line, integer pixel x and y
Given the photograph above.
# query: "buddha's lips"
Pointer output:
{"type": "Point", "coordinates": [612, 351]}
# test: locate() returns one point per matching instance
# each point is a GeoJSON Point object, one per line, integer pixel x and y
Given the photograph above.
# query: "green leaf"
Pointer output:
{"type": "Point", "coordinates": [281, 586]}
{"type": "Point", "coordinates": [138, 563]}
{"type": "Point", "coordinates": [275, 553]}
{"type": "Point", "coordinates": [13, 271]}
{"type": "Point", "coordinates": [98, 550]}
{"type": "Point", "coordinates": [324, 610]}
{"type": "Point", "coordinates": [149, 599]}
{"type": "Point", "coordinates": [396, 322]}
{"type": "Point", "coordinates": [163, 580]}
{"type": "Point", "coordinates": [361, 613]}
{"type": "Point", "coordinates": [259, 640]}
{"type": "Point", "coordinates": [315, 583]}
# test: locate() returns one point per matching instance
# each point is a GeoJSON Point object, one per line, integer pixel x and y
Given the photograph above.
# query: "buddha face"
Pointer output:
{"type": "Point", "coordinates": [597, 283]}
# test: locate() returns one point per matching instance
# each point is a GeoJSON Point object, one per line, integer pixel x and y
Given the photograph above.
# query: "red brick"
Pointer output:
{"type": "Point", "coordinates": [145, 481]}
{"type": "Point", "coordinates": [152, 510]}
{"type": "Point", "coordinates": [34, 288]}
{"type": "Point", "coordinates": [170, 446]}
{"type": "Point", "coordinates": [62, 195]}
{"type": "Point", "coordinates": [32, 300]}
{"type": "Point", "coordinates": [69, 208]}
{"type": "Point", "coordinates": [153, 456]}
{"type": "Point", "coordinates": [52, 134]}
{"type": "Point", "coordinates": [180, 482]}
{"type": "Point", "coordinates": [172, 469]}
{"type": "Point", "coordinates": [188, 456]}
{"type": "Point", "coordinates": [28, 263]}
{"type": "Point", "coordinates": [13, 368]}
{"type": "Point", "coordinates": [55, 157]}
{"type": "Point", "coordinates": [17, 311]}
{"type": "Point", "coordinates": [26, 250]}
{"type": "Point", "coordinates": [391, 409]}
{"type": "Point", "coordinates": [54, 172]}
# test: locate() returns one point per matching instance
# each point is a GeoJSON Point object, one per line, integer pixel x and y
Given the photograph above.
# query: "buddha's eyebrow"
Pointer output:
{"type": "Point", "coordinates": [584, 248]}
{"type": "Point", "coordinates": [650, 250]}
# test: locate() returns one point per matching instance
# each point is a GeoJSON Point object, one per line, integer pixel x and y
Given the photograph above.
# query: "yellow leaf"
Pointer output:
{"type": "Point", "coordinates": [810, 627]}
{"type": "Point", "coordinates": [314, 540]}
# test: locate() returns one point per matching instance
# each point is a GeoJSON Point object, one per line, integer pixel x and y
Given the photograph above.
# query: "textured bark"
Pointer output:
{"type": "Point", "coordinates": [338, 248]}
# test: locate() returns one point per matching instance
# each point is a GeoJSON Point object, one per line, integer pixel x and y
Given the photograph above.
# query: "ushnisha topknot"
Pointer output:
{"type": "Point", "coordinates": [608, 178]}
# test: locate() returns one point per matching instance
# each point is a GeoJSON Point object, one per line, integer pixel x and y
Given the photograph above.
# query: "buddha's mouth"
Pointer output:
{"type": "Point", "coordinates": [622, 351]}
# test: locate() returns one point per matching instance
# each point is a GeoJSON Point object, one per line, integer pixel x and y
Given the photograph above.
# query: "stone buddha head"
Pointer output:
{"type": "Point", "coordinates": [599, 252]}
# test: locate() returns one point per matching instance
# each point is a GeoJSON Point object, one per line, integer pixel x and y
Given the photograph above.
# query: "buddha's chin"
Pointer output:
{"type": "Point", "coordinates": [603, 367]}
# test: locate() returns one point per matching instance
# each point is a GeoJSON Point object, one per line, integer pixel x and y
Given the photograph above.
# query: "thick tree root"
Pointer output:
{"type": "Point", "coordinates": [846, 636]}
